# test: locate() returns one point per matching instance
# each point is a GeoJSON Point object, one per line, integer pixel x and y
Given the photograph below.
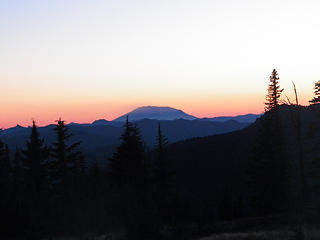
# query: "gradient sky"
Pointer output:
{"type": "Point", "coordinates": [84, 60]}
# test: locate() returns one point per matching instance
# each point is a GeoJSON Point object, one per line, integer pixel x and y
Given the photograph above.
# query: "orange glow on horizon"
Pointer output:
{"type": "Point", "coordinates": [45, 113]}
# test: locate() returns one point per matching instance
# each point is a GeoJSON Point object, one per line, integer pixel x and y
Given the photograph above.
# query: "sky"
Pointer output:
{"type": "Point", "coordinates": [86, 60]}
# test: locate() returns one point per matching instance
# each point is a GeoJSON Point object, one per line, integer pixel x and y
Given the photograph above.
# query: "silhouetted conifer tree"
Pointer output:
{"type": "Point", "coordinates": [18, 177]}
{"type": "Point", "coordinates": [67, 161]}
{"type": "Point", "coordinates": [65, 169]}
{"type": "Point", "coordinates": [316, 98]}
{"type": "Point", "coordinates": [34, 163]}
{"type": "Point", "coordinates": [17, 169]}
{"type": "Point", "coordinates": [6, 219]}
{"type": "Point", "coordinates": [5, 166]}
{"type": "Point", "coordinates": [98, 198]}
{"type": "Point", "coordinates": [34, 159]}
{"type": "Point", "coordinates": [268, 167]}
{"type": "Point", "coordinates": [20, 200]}
{"type": "Point", "coordinates": [274, 92]}
{"type": "Point", "coordinates": [163, 177]}
{"type": "Point", "coordinates": [128, 178]}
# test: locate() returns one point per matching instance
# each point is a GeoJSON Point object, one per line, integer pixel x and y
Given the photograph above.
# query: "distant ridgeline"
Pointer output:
{"type": "Point", "coordinates": [99, 139]}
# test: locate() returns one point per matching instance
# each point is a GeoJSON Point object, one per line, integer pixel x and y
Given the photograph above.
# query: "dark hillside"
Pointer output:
{"type": "Point", "coordinates": [207, 168]}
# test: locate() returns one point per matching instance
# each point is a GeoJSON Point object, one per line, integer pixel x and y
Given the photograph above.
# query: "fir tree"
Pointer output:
{"type": "Point", "coordinates": [129, 160]}
{"type": "Point", "coordinates": [316, 98]}
{"type": "Point", "coordinates": [268, 166]}
{"type": "Point", "coordinates": [17, 172]}
{"type": "Point", "coordinates": [5, 169]}
{"type": "Point", "coordinates": [5, 166]}
{"type": "Point", "coordinates": [98, 198]}
{"type": "Point", "coordinates": [163, 177]}
{"type": "Point", "coordinates": [20, 194]}
{"type": "Point", "coordinates": [274, 92]}
{"type": "Point", "coordinates": [6, 219]}
{"type": "Point", "coordinates": [67, 161]}
{"type": "Point", "coordinates": [34, 162]}
{"type": "Point", "coordinates": [128, 179]}
{"type": "Point", "coordinates": [65, 174]}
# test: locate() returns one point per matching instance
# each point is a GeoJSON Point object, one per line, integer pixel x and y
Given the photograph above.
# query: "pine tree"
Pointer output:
{"type": "Point", "coordinates": [20, 195]}
{"type": "Point", "coordinates": [5, 166]}
{"type": "Point", "coordinates": [67, 161]}
{"type": "Point", "coordinates": [97, 197]}
{"type": "Point", "coordinates": [316, 98]}
{"type": "Point", "coordinates": [129, 160]}
{"type": "Point", "coordinates": [163, 177]}
{"type": "Point", "coordinates": [268, 166]}
{"type": "Point", "coordinates": [17, 172]}
{"type": "Point", "coordinates": [6, 221]}
{"type": "Point", "coordinates": [274, 92]}
{"type": "Point", "coordinates": [66, 169]}
{"type": "Point", "coordinates": [5, 169]}
{"type": "Point", "coordinates": [35, 172]}
{"type": "Point", "coordinates": [128, 179]}
{"type": "Point", "coordinates": [34, 162]}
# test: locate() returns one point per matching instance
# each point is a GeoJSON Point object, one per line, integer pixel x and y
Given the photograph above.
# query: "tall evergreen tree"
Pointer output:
{"type": "Point", "coordinates": [5, 166]}
{"type": "Point", "coordinates": [128, 161]}
{"type": "Point", "coordinates": [97, 198]}
{"type": "Point", "coordinates": [128, 179]}
{"type": "Point", "coordinates": [268, 166]}
{"type": "Point", "coordinates": [274, 92]}
{"type": "Point", "coordinates": [20, 199]}
{"type": "Point", "coordinates": [67, 161]}
{"type": "Point", "coordinates": [34, 159]}
{"type": "Point", "coordinates": [163, 177]}
{"type": "Point", "coordinates": [34, 164]}
{"type": "Point", "coordinates": [65, 174]}
{"type": "Point", "coordinates": [6, 220]}
{"type": "Point", "coordinates": [316, 98]}
{"type": "Point", "coordinates": [17, 172]}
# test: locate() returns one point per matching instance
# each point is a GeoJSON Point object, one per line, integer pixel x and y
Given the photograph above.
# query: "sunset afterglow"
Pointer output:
{"type": "Point", "coordinates": [87, 60]}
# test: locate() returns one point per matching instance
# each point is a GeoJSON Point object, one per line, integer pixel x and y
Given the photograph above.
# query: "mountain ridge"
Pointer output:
{"type": "Point", "coordinates": [144, 113]}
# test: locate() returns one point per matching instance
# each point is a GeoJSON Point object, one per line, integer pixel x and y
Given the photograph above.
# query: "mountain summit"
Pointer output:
{"type": "Point", "coordinates": [152, 112]}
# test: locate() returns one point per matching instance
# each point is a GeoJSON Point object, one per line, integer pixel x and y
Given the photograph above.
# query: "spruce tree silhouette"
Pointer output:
{"type": "Point", "coordinates": [34, 159]}
{"type": "Point", "coordinates": [163, 181]}
{"type": "Point", "coordinates": [98, 198]}
{"type": "Point", "coordinates": [17, 170]}
{"type": "Point", "coordinates": [274, 92]}
{"type": "Point", "coordinates": [65, 168]}
{"type": "Point", "coordinates": [66, 160]}
{"type": "Point", "coordinates": [19, 194]}
{"type": "Point", "coordinates": [129, 181]}
{"type": "Point", "coordinates": [6, 220]}
{"type": "Point", "coordinates": [316, 98]}
{"type": "Point", "coordinates": [268, 166]}
{"type": "Point", "coordinates": [34, 163]}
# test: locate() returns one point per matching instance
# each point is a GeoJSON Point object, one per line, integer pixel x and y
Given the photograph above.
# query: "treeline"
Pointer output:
{"type": "Point", "coordinates": [284, 170]}
{"type": "Point", "coordinates": [54, 190]}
